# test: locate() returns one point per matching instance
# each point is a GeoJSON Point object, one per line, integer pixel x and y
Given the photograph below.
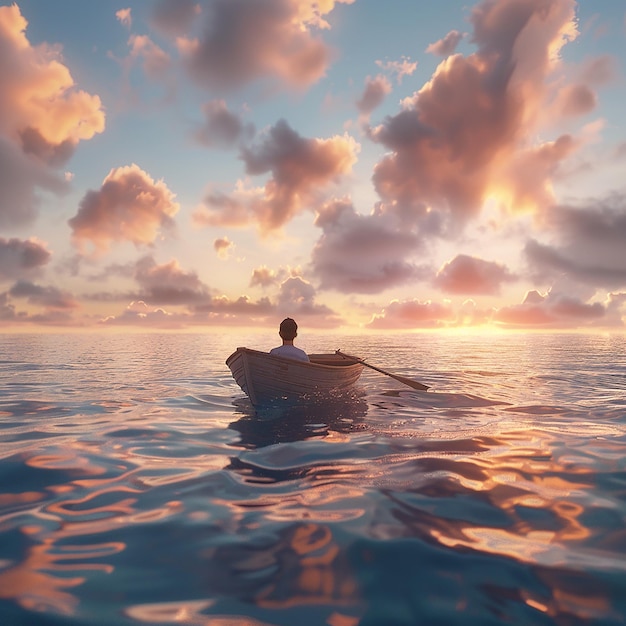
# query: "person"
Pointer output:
{"type": "Point", "coordinates": [288, 331]}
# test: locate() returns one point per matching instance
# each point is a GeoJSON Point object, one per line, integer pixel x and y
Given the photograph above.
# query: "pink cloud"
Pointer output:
{"type": "Point", "coordinates": [20, 257]}
{"type": "Point", "coordinates": [130, 206]}
{"type": "Point", "coordinates": [413, 314]}
{"type": "Point", "coordinates": [243, 41]}
{"type": "Point", "coordinates": [362, 254]}
{"type": "Point", "coordinates": [375, 91]}
{"type": "Point", "coordinates": [553, 310]}
{"type": "Point", "coordinates": [301, 169]}
{"type": "Point", "coordinates": [467, 134]}
{"type": "Point", "coordinates": [446, 46]}
{"type": "Point", "coordinates": [471, 275]}
{"type": "Point", "coordinates": [125, 17]}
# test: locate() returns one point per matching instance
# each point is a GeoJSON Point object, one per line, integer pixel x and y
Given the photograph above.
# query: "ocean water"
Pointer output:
{"type": "Point", "coordinates": [139, 486]}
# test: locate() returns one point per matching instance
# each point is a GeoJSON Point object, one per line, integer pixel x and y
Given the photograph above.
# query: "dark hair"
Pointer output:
{"type": "Point", "coordinates": [288, 329]}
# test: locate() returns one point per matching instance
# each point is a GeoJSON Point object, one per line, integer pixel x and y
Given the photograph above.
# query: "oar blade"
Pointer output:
{"type": "Point", "coordinates": [411, 383]}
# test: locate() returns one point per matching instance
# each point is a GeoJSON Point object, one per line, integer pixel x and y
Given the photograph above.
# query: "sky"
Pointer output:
{"type": "Point", "coordinates": [360, 166]}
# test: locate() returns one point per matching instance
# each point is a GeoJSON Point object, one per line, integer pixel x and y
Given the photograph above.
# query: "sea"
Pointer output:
{"type": "Point", "coordinates": [139, 486]}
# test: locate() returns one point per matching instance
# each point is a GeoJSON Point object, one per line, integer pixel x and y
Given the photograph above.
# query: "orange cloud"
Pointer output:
{"type": "Point", "coordinates": [471, 275]}
{"type": "Point", "coordinates": [43, 117]}
{"type": "Point", "coordinates": [463, 136]}
{"type": "Point", "coordinates": [130, 206]}
{"type": "Point", "coordinates": [174, 17]}
{"type": "Point", "coordinates": [38, 92]}
{"type": "Point", "coordinates": [300, 170]}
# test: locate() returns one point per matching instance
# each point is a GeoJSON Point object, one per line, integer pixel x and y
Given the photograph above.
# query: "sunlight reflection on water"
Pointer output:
{"type": "Point", "coordinates": [139, 485]}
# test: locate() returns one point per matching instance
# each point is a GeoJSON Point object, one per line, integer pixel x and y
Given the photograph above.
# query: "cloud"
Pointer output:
{"type": "Point", "coordinates": [296, 299]}
{"type": "Point", "coordinates": [402, 68]}
{"type": "Point", "coordinates": [43, 117]}
{"type": "Point", "coordinates": [223, 246]}
{"type": "Point", "coordinates": [221, 128]}
{"type": "Point", "coordinates": [244, 41]}
{"type": "Point", "coordinates": [375, 91]}
{"type": "Point", "coordinates": [362, 254]}
{"type": "Point", "coordinates": [169, 284]}
{"type": "Point", "coordinates": [413, 314]}
{"type": "Point", "coordinates": [19, 257]}
{"type": "Point", "coordinates": [174, 17]}
{"type": "Point", "coordinates": [588, 246]}
{"type": "Point", "coordinates": [264, 277]}
{"type": "Point", "coordinates": [47, 297]}
{"type": "Point", "coordinates": [301, 169]}
{"type": "Point", "coordinates": [468, 134]}
{"type": "Point", "coordinates": [471, 275]}
{"type": "Point", "coordinates": [553, 310]}
{"type": "Point", "coordinates": [446, 46]}
{"type": "Point", "coordinates": [130, 206]}
{"type": "Point", "coordinates": [156, 62]}
{"type": "Point", "coordinates": [125, 17]}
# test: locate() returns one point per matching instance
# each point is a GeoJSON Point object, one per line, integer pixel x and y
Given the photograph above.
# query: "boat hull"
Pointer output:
{"type": "Point", "coordinates": [266, 378]}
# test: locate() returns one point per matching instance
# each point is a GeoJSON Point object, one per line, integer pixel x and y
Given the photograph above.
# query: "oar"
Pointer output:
{"type": "Point", "coordinates": [400, 379]}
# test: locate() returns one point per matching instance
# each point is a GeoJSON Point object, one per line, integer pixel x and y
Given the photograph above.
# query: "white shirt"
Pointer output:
{"type": "Point", "coordinates": [290, 352]}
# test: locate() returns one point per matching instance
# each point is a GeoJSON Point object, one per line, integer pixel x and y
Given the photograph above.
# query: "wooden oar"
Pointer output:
{"type": "Point", "coordinates": [401, 379]}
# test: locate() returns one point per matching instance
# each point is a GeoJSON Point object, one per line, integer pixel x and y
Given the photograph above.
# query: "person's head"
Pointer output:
{"type": "Point", "coordinates": [288, 329]}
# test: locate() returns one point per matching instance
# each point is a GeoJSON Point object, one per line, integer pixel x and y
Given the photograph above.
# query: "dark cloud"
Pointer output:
{"type": "Point", "coordinates": [169, 284]}
{"type": "Point", "coordinates": [589, 244]}
{"type": "Point", "coordinates": [47, 297]}
{"type": "Point", "coordinates": [174, 17]}
{"type": "Point", "coordinates": [221, 128]}
{"type": "Point", "coordinates": [362, 254]}
{"type": "Point", "coordinates": [243, 41]}
{"type": "Point", "coordinates": [373, 95]}
{"type": "Point", "coordinates": [19, 257]}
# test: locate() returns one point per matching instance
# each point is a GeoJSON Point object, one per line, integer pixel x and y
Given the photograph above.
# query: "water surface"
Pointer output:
{"type": "Point", "coordinates": [139, 486]}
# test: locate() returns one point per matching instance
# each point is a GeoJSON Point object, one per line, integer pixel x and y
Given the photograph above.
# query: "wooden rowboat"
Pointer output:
{"type": "Point", "coordinates": [266, 378]}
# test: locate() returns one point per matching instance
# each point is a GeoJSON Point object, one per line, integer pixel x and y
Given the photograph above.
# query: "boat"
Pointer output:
{"type": "Point", "coordinates": [266, 378]}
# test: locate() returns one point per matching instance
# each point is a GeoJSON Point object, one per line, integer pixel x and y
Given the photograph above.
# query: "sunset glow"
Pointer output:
{"type": "Point", "coordinates": [355, 165]}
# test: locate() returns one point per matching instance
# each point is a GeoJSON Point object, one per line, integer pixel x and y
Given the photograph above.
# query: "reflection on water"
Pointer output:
{"type": "Point", "coordinates": [139, 485]}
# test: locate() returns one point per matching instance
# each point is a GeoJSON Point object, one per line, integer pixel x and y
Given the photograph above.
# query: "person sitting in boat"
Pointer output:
{"type": "Point", "coordinates": [288, 331]}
